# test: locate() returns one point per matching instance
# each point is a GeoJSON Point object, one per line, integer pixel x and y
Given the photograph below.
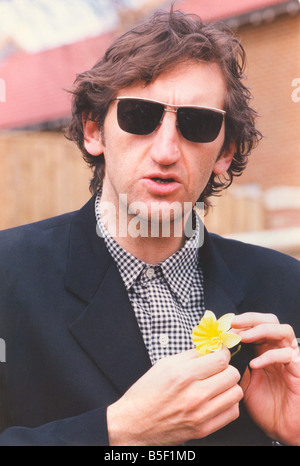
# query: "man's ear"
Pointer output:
{"type": "Point", "coordinates": [92, 137]}
{"type": "Point", "coordinates": [224, 160]}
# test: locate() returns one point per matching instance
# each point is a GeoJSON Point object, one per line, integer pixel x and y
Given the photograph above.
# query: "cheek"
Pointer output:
{"type": "Point", "coordinates": [119, 165]}
{"type": "Point", "coordinates": [201, 169]}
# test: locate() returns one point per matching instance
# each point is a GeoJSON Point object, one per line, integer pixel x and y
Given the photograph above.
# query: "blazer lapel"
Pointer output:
{"type": "Point", "coordinates": [222, 293]}
{"type": "Point", "coordinates": [107, 329]}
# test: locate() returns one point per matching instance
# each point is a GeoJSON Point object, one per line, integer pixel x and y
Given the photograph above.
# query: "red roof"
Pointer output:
{"type": "Point", "coordinates": [35, 82]}
{"type": "Point", "coordinates": [212, 10]}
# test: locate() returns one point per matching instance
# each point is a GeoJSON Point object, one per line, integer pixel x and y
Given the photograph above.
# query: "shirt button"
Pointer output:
{"type": "Point", "coordinates": [149, 272]}
{"type": "Point", "coordinates": [163, 339]}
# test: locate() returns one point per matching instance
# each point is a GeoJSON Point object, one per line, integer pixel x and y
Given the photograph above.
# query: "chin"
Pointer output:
{"type": "Point", "coordinates": [160, 218]}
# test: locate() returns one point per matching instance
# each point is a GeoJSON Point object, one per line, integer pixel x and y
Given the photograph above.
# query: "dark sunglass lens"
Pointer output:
{"type": "Point", "coordinates": [199, 124]}
{"type": "Point", "coordinates": [139, 117]}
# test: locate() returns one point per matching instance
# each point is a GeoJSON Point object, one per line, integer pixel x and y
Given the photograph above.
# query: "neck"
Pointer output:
{"type": "Point", "coordinates": [150, 241]}
{"type": "Point", "coordinates": [151, 250]}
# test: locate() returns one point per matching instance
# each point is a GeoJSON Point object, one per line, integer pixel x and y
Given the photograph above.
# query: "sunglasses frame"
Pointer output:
{"type": "Point", "coordinates": [173, 108]}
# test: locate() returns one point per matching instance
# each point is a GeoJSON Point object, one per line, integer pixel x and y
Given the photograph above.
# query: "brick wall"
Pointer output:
{"type": "Point", "coordinates": [273, 64]}
{"type": "Point", "coordinates": [273, 51]}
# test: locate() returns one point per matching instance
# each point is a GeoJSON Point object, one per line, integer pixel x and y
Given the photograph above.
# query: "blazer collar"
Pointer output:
{"type": "Point", "coordinates": [107, 329]}
{"type": "Point", "coordinates": [88, 259]}
{"type": "Point", "coordinates": [222, 292]}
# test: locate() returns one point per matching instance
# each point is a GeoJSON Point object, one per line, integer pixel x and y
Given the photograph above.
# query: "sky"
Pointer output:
{"type": "Point", "coordinates": [40, 24]}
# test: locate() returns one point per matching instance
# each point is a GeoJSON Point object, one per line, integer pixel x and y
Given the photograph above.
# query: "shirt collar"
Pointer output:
{"type": "Point", "coordinates": [178, 269]}
{"type": "Point", "coordinates": [129, 266]}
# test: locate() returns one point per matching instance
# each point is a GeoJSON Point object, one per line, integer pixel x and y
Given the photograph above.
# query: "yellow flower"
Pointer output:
{"type": "Point", "coordinates": [211, 334]}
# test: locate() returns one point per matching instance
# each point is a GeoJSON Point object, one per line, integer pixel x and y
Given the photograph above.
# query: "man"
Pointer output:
{"type": "Point", "coordinates": [98, 306]}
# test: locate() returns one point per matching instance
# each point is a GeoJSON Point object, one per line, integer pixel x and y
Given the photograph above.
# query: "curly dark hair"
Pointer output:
{"type": "Point", "coordinates": [156, 46]}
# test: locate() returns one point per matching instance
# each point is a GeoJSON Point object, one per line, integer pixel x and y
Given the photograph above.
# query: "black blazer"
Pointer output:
{"type": "Point", "coordinates": [73, 345]}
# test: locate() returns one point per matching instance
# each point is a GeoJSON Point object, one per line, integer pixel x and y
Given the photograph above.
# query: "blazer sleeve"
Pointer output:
{"type": "Point", "coordinates": [26, 317]}
{"type": "Point", "coordinates": [88, 429]}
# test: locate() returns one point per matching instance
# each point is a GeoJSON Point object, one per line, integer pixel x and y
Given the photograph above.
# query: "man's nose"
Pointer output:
{"type": "Point", "coordinates": [165, 146]}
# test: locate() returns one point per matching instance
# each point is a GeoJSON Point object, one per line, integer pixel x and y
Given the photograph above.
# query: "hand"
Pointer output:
{"type": "Point", "coordinates": [272, 384]}
{"type": "Point", "coordinates": [180, 398]}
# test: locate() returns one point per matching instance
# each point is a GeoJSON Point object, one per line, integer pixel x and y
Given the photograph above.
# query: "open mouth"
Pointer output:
{"type": "Point", "coordinates": [163, 180]}
{"type": "Point", "coordinates": [161, 185]}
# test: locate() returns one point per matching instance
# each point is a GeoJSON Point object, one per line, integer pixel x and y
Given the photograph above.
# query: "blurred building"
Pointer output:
{"type": "Point", "coordinates": [263, 205]}
{"type": "Point", "coordinates": [42, 174]}
{"type": "Point", "coordinates": [37, 84]}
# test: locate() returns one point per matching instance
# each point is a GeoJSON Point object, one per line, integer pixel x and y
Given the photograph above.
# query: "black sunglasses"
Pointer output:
{"type": "Point", "coordinates": [142, 116]}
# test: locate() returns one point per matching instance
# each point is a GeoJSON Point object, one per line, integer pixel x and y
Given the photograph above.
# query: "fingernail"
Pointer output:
{"type": "Point", "coordinates": [294, 343]}
{"type": "Point", "coordinates": [296, 356]}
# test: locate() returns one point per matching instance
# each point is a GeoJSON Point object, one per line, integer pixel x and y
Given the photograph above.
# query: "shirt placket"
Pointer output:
{"type": "Point", "coordinates": [166, 332]}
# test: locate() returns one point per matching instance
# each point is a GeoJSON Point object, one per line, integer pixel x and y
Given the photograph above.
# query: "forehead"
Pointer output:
{"type": "Point", "coordinates": [200, 83]}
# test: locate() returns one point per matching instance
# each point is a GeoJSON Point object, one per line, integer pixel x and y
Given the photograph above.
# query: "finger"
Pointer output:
{"type": "Point", "coordinates": [210, 364]}
{"type": "Point", "coordinates": [288, 356]}
{"type": "Point", "coordinates": [225, 418]}
{"type": "Point", "coordinates": [188, 367]}
{"type": "Point", "coordinates": [193, 355]}
{"type": "Point", "coordinates": [226, 412]}
{"type": "Point", "coordinates": [220, 383]}
{"type": "Point", "coordinates": [226, 399]}
{"type": "Point", "coordinates": [251, 319]}
{"type": "Point", "coordinates": [185, 356]}
{"type": "Point", "coordinates": [282, 333]}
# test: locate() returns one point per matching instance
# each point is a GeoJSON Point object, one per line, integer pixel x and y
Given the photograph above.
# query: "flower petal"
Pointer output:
{"type": "Point", "coordinates": [208, 347]}
{"type": "Point", "coordinates": [230, 339]}
{"type": "Point", "coordinates": [225, 322]}
{"type": "Point", "coordinates": [209, 314]}
{"type": "Point", "coordinates": [199, 339]}
{"type": "Point", "coordinates": [202, 350]}
{"type": "Point", "coordinates": [215, 346]}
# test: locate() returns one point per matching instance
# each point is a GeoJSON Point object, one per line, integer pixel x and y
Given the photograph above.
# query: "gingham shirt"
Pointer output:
{"type": "Point", "coordinates": [167, 298]}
